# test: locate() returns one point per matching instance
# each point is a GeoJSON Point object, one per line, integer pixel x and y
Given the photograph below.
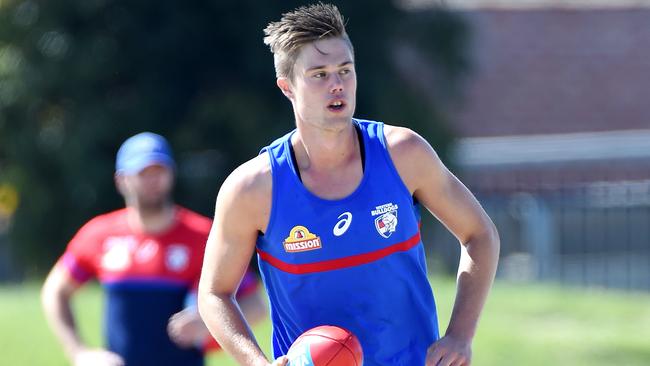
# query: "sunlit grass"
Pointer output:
{"type": "Point", "coordinates": [523, 324]}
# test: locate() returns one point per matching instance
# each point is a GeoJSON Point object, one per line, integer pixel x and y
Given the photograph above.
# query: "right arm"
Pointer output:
{"type": "Point", "coordinates": [241, 211]}
{"type": "Point", "coordinates": [55, 298]}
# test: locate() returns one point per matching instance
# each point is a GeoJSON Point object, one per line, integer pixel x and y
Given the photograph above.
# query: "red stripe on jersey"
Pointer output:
{"type": "Point", "coordinates": [339, 263]}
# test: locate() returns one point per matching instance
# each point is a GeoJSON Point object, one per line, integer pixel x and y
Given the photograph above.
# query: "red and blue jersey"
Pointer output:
{"type": "Point", "coordinates": [356, 262]}
{"type": "Point", "coordinates": [147, 278]}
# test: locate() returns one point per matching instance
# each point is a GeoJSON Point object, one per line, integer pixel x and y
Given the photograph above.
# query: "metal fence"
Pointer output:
{"type": "Point", "coordinates": [587, 226]}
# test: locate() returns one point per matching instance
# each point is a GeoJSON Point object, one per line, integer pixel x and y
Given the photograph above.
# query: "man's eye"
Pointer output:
{"type": "Point", "coordinates": [319, 75]}
{"type": "Point", "coordinates": [344, 71]}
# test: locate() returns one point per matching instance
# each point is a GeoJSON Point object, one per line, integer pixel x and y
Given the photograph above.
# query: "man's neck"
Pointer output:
{"type": "Point", "coordinates": [321, 149]}
{"type": "Point", "coordinates": [151, 221]}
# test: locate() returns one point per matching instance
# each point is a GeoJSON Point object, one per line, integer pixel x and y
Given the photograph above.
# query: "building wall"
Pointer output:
{"type": "Point", "coordinates": [542, 71]}
{"type": "Point", "coordinates": [552, 142]}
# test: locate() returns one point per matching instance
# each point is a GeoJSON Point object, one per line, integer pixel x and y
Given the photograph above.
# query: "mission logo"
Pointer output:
{"type": "Point", "coordinates": [301, 240]}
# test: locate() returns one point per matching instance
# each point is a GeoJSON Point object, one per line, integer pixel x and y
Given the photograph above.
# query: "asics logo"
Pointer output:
{"type": "Point", "coordinates": [345, 219]}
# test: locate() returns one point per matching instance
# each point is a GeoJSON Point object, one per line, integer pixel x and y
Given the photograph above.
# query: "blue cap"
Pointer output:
{"type": "Point", "coordinates": [143, 150]}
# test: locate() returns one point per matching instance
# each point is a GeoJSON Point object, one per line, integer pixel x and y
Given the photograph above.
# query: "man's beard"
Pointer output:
{"type": "Point", "coordinates": [153, 205]}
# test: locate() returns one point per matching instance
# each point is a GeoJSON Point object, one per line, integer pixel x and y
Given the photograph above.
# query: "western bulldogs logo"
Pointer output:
{"type": "Point", "coordinates": [386, 222]}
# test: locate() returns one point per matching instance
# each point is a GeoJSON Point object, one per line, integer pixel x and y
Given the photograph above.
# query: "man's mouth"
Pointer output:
{"type": "Point", "coordinates": [336, 106]}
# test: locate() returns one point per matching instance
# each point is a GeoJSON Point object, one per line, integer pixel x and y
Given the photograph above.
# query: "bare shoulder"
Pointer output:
{"type": "Point", "coordinates": [247, 192]}
{"type": "Point", "coordinates": [411, 154]}
{"type": "Point", "coordinates": [404, 142]}
{"type": "Point", "coordinates": [252, 178]}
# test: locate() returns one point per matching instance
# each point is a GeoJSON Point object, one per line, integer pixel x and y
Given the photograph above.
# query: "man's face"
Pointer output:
{"type": "Point", "coordinates": [324, 85]}
{"type": "Point", "coordinates": [150, 189]}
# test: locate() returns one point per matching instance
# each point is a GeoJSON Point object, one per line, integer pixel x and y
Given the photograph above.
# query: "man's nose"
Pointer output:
{"type": "Point", "coordinates": [337, 84]}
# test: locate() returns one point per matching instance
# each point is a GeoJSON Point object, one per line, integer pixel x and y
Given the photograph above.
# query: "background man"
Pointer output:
{"type": "Point", "coordinates": [148, 258]}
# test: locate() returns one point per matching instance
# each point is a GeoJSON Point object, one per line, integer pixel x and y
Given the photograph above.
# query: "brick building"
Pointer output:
{"type": "Point", "coordinates": [554, 135]}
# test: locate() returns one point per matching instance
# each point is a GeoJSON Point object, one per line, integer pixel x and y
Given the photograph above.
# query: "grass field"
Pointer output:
{"type": "Point", "coordinates": [523, 324]}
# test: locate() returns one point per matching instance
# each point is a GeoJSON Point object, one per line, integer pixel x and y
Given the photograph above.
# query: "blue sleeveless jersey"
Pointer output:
{"type": "Point", "coordinates": [357, 262]}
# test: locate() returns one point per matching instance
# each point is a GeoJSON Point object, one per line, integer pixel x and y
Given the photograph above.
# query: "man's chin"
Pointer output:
{"type": "Point", "coordinates": [153, 205]}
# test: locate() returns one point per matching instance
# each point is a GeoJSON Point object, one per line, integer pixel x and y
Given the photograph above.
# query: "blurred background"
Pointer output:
{"type": "Point", "coordinates": [539, 106]}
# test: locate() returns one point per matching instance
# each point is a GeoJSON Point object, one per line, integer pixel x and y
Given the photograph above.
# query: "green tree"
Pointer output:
{"type": "Point", "coordinates": [79, 76]}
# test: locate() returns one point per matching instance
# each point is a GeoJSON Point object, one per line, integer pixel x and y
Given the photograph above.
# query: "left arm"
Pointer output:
{"type": "Point", "coordinates": [454, 205]}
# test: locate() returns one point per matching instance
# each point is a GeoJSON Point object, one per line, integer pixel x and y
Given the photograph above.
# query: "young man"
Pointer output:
{"type": "Point", "coordinates": [332, 210]}
{"type": "Point", "coordinates": [148, 257]}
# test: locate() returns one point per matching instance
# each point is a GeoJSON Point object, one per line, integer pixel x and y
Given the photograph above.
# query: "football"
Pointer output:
{"type": "Point", "coordinates": [326, 345]}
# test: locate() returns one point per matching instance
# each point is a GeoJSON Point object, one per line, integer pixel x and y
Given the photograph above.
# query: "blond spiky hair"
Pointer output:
{"type": "Point", "coordinates": [300, 27]}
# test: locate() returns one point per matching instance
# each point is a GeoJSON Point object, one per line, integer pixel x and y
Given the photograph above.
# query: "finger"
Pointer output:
{"type": "Point", "coordinates": [114, 359]}
{"type": "Point", "coordinates": [432, 360]}
{"type": "Point", "coordinates": [180, 339]}
{"type": "Point", "coordinates": [175, 320]}
{"type": "Point", "coordinates": [434, 355]}
{"type": "Point", "coordinates": [446, 360]}
{"type": "Point", "coordinates": [185, 343]}
{"type": "Point", "coordinates": [172, 332]}
{"type": "Point", "coordinates": [281, 361]}
{"type": "Point", "coordinates": [460, 362]}
{"type": "Point", "coordinates": [175, 327]}
{"type": "Point", "coordinates": [462, 359]}
{"type": "Point", "coordinates": [185, 315]}
{"type": "Point", "coordinates": [173, 323]}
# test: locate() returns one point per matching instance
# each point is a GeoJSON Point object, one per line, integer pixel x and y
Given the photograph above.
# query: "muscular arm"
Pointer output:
{"type": "Point", "coordinates": [241, 211]}
{"type": "Point", "coordinates": [455, 206]}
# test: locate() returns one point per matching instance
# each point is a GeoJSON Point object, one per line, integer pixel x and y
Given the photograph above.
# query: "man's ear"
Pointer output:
{"type": "Point", "coordinates": [285, 86]}
{"type": "Point", "coordinates": [119, 183]}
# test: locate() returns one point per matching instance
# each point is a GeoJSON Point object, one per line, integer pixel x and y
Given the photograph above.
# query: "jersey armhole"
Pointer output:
{"type": "Point", "coordinates": [274, 192]}
{"type": "Point", "coordinates": [389, 161]}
